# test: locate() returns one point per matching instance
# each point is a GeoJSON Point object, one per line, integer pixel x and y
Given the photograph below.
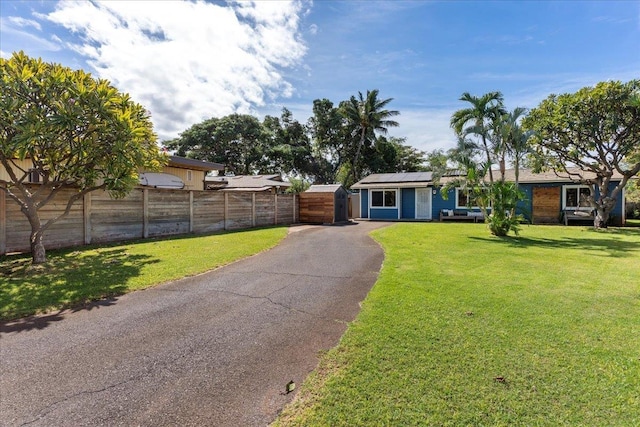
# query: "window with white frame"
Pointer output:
{"type": "Point", "coordinates": [576, 197]}
{"type": "Point", "coordinates": [189, 175]}
{"type": "Point", "coordinates": [462, 199]}
{"type": "Point", "coordinates": [383, 198]}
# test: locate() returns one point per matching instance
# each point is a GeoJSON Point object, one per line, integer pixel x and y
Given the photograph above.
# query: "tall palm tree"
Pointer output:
{"type": "Point", "coordinates": [478, 118]}
{"type": "Point", "coordinates": [516, 140]}
{"type": "Point", "coordinates": [367, 115]}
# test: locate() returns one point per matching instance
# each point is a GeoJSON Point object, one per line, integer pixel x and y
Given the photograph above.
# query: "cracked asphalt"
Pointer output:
{"type": "Point", "coordinates": [215, 349]}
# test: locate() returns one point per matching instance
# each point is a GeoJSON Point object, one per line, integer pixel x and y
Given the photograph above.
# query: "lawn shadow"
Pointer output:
{"type": "Point", "coordinates": [611, 246]}
{"type": "Point", "coordinates": [70, 280]}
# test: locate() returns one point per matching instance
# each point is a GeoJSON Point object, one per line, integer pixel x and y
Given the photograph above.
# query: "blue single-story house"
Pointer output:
{"type": "Point", "coordinates": [549, 199]}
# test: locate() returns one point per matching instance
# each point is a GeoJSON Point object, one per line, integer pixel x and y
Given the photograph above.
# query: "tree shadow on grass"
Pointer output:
{"type": "Point", "coordinates": [69, 280]}
{"type": "Point", "coordinates": [610, 244]}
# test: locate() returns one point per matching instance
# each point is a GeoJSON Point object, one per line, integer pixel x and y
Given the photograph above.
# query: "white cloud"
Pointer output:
{"type": "Point", "coordinates": [426, 129]}
{"type": "Point", "coordinates": [17, 28]}
{"type": "Point", "coordinates": [22, 22]}
{"type": "Point", "coordinates": [188, 61]}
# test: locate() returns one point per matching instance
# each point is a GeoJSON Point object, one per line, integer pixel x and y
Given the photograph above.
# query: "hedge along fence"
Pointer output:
{"type": "Point", "coordinates": [144, 213]}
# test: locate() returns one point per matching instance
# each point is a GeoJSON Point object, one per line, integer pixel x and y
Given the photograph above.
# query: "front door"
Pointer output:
{"type": "Point", "coordinates": [423, 203]}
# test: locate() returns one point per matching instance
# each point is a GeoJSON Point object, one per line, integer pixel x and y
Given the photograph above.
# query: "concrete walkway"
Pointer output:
{"type": "Point", "coordinates": [216, 349]}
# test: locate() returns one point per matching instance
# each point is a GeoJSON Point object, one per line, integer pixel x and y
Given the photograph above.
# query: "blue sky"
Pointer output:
{"type": "Point", "coordinates": [188, 61]}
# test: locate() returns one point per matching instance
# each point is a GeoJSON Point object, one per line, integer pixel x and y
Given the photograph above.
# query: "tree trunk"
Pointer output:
{"type": "Point", "coordinates": [486, 150]}
{"type": "Point", "coordinates": [601, 218]}
{"type": "Point", "coordinates": [38, 253]}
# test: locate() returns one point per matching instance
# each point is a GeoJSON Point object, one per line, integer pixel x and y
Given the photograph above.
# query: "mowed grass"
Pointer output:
{"type": "Point", "coordinates": [73, 277]}
{"type": "Point", "coordinates": [467, 329]}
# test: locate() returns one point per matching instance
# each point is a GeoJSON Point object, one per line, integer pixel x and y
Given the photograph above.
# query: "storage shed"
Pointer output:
{"type": "Point", "coordinates": [326, 204]}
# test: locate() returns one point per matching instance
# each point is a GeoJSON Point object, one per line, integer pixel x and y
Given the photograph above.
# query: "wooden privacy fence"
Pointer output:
{"type": "Point", "coordinates": [144, 213]}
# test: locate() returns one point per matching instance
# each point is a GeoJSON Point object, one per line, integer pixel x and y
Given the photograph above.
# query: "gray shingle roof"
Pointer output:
{"type": "Point", "coordinates": [323, 188]}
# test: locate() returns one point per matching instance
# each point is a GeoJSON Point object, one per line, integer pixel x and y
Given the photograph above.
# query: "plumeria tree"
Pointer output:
{"type": "Point", "coordinates": [597, 130]}
{"type": "Point", "coordinates": [74, 132]}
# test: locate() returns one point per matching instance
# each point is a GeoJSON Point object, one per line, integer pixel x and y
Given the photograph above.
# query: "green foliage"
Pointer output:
{"type": "Point", "coordinates": [364, 116]}
{"type": "Point", "coordinates": [478, 119]}
{"type": "Point", "coordinates": [391, 155]}
{"type": "Point", "coordinates": [78, 132]}
{"type": "Point", "coordinates": [237, 140]}
{"type": "Point", "coordinates": [288, 148]}
{"type": "Point", "coordinates": [597, 129]}
{"type": "Point", "coordinates": [499, 139]}
{"type": "Point", "coordinates": [334, 140]}
{"type": "Point", "coordinates": [503, 218]}
{"type": "Point", "coordinates": [74, 277]}
{"type": "Point", "coordinates": [298, 185]}
{"type": "Point", "coordinates": [467, 329]}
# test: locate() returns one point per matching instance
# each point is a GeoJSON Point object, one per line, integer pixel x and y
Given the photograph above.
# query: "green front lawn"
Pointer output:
{"type": "Point", "coordinates": [466, 329]}
{"type": "Point", "coordinates": [77, 276]}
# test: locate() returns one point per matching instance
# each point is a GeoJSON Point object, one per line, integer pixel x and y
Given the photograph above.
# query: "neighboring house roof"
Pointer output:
{"type": "Point", "coordinates": [423, 179]}
{"type": "Point", "coordinates": [323, 188]}
{"type": "Point", "coordinates": [246, 182]}
{"type": "Point", "coordinates": [201, 165]}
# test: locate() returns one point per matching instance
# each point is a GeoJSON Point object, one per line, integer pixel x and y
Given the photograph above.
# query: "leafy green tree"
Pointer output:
{"type": "Point", "coordinates": [79, 133]}
{"type": "Point", "coordinates": [298, 185]}
{"type": "Point", "coordinates": [328, 135]}
{"type": "Point", "coordinates": [237, 140]}
{"type": "Point", "coordinates": [288, 148]}
{"type": "Point", "coordinates": [365, 116]}
{"type": "Point", "coordinates": [392, 155]}
{"type": "Point", "coordinates": [597, 130]}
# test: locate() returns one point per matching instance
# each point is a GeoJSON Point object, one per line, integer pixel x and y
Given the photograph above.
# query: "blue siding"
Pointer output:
{"type": "Point", "coordinates": [408, 197]}
{"type": "Point", "coordinates": [438, 202]}
{"type": "Point", "coordinates": [525, 207]}
{"type": "Point", "coordinates": [384, 213]}
{"type": "Point", "coordinates": [364, 203]}
{"type": "Point", "coordinates": [619, 209]}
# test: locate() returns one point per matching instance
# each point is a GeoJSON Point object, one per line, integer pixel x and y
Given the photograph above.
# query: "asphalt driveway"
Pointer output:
{"type": "Point", "coordinates": [215, 349]}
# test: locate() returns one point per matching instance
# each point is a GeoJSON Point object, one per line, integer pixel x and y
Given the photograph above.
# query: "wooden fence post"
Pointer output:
{"type": "Point", "coordinates": [294, 209]}
{"type": "Point", "coordinates": [87, 218]}
{"type": "Point", "coordinates": [275, 209]}
{"type": "Point", "coordinates": [253, 209]}
{"type": "Point", "coordinates": [145, 213]}
{"type": "Point", "coordinates": [190, 211]}
{"type": "Point", "coordinates": [226, 208]}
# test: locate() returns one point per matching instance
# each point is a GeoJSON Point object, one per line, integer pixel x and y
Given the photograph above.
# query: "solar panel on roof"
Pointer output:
{"type": "Point", "coordinates": [398, 177]}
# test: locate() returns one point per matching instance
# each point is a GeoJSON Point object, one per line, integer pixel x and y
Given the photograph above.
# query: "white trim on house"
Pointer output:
{"type": "Point", "coordinates": [459, 206]}
{"type": "Point", "coordinates": [578, 187]}
{"type": "Point", "coordinates": [429, 192]}
{"type": "Point", "coordinates": [383, 190]}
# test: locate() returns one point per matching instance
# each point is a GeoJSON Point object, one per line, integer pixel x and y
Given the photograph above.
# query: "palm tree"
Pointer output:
{"type": "Point", "coordinates": [367, 115]}
{"type": "Point", "coordinates": [483, 111]}
{"type": "Point", "coordinates": [515, 138]}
